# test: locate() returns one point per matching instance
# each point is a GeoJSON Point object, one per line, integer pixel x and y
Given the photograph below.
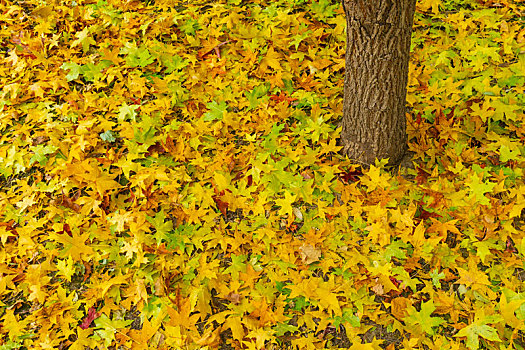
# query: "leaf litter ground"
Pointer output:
{"type": "Point", "coordinates": [170, 179]}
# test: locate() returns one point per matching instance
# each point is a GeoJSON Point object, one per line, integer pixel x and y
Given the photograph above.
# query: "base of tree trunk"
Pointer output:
{"type": "Point", "coordinates": [376, 73]}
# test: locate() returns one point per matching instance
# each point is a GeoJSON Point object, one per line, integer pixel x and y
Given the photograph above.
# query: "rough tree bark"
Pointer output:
{"type": "Point", "coordinates": [377, 54]}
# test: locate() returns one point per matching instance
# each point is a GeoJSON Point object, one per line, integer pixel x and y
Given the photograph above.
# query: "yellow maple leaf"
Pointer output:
{"type": "Point", "coordinates": [66, 268]}
{"type": "Point", "coordinates": [83, 339]}
{"type": "Point", "coordinates": [425, 5]}
{"type": "Point", "coordinates": [286, 203]}
{"type": "Point", "coordinates": [417, 238]}
{"type": "Point", "coordinates": [507, 309]}
{"type": "Point", "coordinates": [175, 337]}
{"type": "Point", "coordinates": [222, 180]}
{"type": "Point", "coordinates": [105, 183]}
{"type": "Point", "coordinates": [443, 227]}
{"type": "Point", "coordinates": [74, 245]}
{"type": "Point", "coordinates": [306, 288]}
{"type": "Point", "coordinates": [84, 39]}
{"type": "Point", "coordinates": [328, 299]}
{"type": "Point", "coordinates": [260, 335]}
{"type": "Point", "coordinates": [105, 286]}
{"type": "Point", "coordinates": [374, 345]}
{"type": "Point", "coordinates": [235, 325]}
{"type": "Point", "coordinates": [271, 59]}
{"type": "Point", "coordinates": [374, 178]}
{"type": "Point", "coordinates": [37, 89]}
{"type": "Point", "coordinates": [120, 218]}
{"type": "Point", "coordinates": [473, 277]}
{"type": "Point", "coordinates": [146, 332]}
{"type": "Point", "coordinates": [183, 317]}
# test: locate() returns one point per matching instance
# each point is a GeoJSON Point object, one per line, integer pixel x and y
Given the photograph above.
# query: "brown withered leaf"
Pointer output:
{"type": "Point", "coordinates": [309, 253]}
{"type": "Point", "coordinates": [399, 306]}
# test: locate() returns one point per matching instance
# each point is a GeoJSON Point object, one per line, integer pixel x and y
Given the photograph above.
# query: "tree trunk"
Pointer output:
{"type": "Point", "coordinates": [377, 54]}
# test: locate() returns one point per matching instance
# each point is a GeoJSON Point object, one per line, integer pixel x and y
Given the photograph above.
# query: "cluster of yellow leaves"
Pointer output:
{"type": "Point", "coordinates": [169, 178]}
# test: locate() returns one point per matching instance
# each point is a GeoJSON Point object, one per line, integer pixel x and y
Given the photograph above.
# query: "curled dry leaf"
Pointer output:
{"type": "Point", "coordinates": [235, 298]}
{"type": "Point", "coordinates": [399, 307]}
{"type": "Point", "coordinates": [309, 254]}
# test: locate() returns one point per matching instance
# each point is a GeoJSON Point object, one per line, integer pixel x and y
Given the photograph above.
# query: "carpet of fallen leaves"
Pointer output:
{"type": "Point", "coordinates": [170, 179]}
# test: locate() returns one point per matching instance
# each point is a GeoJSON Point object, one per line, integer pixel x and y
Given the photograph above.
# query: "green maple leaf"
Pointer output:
{"type": "Point", "coordinates": [349, 317]}
{"type": "Point", "coordinates": [173, 63]}
{"type": "Point", "coordinates": [436, 276]}
{"type": "Point", "coordinates": [423, 318]}
{"type": "Point", "coordinates": [506, 154]}
{"type": "Point", "coordinates": [190, 26]}
{"type": "Point", "coordinates": [107, 328]}
{"type": "Point", "coordinates": [41, 152]}
{"type": "Point", "coordinates": [216, 112]}
{"type": "Point", "coordinates": [444, 57]}
{"type": "Point", "coordinates": [126, 112]}
{"type": "Point", "coordinates": [11, 345]}
{"type": "Point", "coordinates": [282, 328]}
{"type": "Point", "coordinates": [395, 249]}
{"type": "Point", "coordinates": [401, 274]}
{"type": "Point", "coordinates": [104, 322]}
{"type": "Point", "coordinates": [483, 248]}
{"type": "Point", "coordinates": [237, 265]}
{"type": "Point", "coordinates": [145, 134]}
{"type": "Point", "coordinates": [270, 142]}
{"type": "Point", "coordinates": [93, 72]}
{"type": "Point", "coordinates": [84, 39]}
{"type": "Point", "coordinates": [476, 330]}
{"type": "Point", "coordinates": [323, 8]}
{"type": "Point", "coordinates": [297, 38]}
{"type": "Point", "coordinates": [108, 136]}
{"type": "Point", "coordinates": [257, 95]}
{"type": "Point", "coordinates": [478, 188]}
{"type": "Point", "coordinates": [161, 225]}
{"type": "Point", "coordinates": [74, 70]}
{"type": "Point", "coordinates": [505, 111]}
{"type": "Point", "coordinates": [139, 57]}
